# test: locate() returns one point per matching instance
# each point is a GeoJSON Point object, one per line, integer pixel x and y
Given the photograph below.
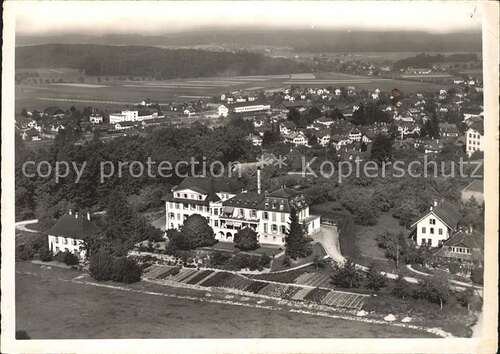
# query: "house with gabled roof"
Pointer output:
{"type": "Point", "coordinates": [465, 246]}
{"type": "Point", "coordinates": [69, 233]}
{"type": "Point", "coordinates": [437, 225]}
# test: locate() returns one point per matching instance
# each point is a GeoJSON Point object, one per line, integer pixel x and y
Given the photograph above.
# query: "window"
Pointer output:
{"type": "Point", "coordinates": [283, 239]}
{"type": "Point", "coordinates": [177, 195]}
{"type": "Point", "coordinates": [216, 211]}
{"type": "Point", "coordinates": [283, 229]}
{"type": "Point", "coordinates": [282, 217]}
{"type": "Point", "coordinates": [57, 249]}
{"type": "Point", "coordinates": [266, 215]}
{"type": "Point", "coordinates": [423, 230]}
{"type": "Point", "coordinates": [178, 216]}
{"type": "Point", "coordinates": [65, 240]}
{"type": "Point", "coordinates": [274, 227]}
{"type": "Point", "coordinates": [200, 197]}
{"type": "Point", "coordinates": [241, 213]}
{"type": "Point", "coordinates": [429, 241]}
{"type": "Point", "coordinates": [265, 228]}
{"type": "Point", "coordinates": [177, 205]}
{"type": "Point", "coordinates": [432, 230]}
{"type": "Point", "coordinates": [273, 216]}
{"type": "Point", "coordinates": [216, 223]}
{"type": "Point", "coordinates": [185, 195]}
{"type": "Point", "coordinates": [184, 206]}
{"type": "Point", "coordinates": [56, 239]}
{"type": "Point", "coordinates": [440, 231]}
{"type": "Point", "coordinates": [253, 213]}
{"type": "Point", "coordinates": [432, 221]}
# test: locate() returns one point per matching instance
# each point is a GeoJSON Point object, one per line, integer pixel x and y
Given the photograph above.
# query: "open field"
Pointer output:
{"type": "Point", "coordinates": [116, 94]}
{"type": "Point", "coordinates": [50, 304]}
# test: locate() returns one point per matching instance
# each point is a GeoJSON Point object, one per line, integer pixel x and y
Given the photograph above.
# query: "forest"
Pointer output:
{"type": "Point", "coordinates": [158, 63]}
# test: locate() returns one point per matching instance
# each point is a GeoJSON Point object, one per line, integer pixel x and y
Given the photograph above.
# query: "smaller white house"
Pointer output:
{"type": "Point", "coordinates": [222, 111]}
{"type": "Point", "coordinates": [474, 139]}
{"type": "Point", "coordinates": [96, 119]}
{"type": "Point", "coordinates": [355, 135]}
{"type": "Point", "coordinates": [437, 225]}
{"type": "Point", "coordinates": [296, 138]}
{"type": "Point", "coordinates": [69, 232]}
{"type": "Point", "coordinates": [324, 139]}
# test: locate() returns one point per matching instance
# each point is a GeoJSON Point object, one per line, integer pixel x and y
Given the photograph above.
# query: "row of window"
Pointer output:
{"type": "Point", "coordinates": [188, 196]}
{"type": "Point", "coordinates": [274, 228]}
{"type": "Point", "coordinates": [472, 135]}
{"type": "Point", "coordinates": [65, 240]}
{"type": "Point", "coordinates": [463, 250]}
{"type": "Point", "coordinates": [431, 230]}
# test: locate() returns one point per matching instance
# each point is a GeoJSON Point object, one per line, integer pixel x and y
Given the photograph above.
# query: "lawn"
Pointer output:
{"type": "Point", "coordinates": [50, 307]}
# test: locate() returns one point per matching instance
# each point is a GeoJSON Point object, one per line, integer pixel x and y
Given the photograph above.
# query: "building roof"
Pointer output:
{"type": "Point", "coordinates": [476, 185]}
{"type": "Point", "coordinates": [250, 200]}
{"type": "Point", "coordinates": [465, 239]}
{"type": "Point", "coordinates": [478, 126]}
{"type": "Point", "coordinates": [209, 185]}
{"type": "Point", "coordinates": [73, 226]}
{"type": "Point", "coordinates": [446, 212]}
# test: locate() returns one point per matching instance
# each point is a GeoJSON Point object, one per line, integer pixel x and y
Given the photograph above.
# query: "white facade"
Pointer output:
{"type": "Point", "coordinates": [222, 111]}
{"type": "Point", "coordinates": [124, 116]}
{"type": "Point", "coordinates": [96, 119]}
{"type": "Point", "coordinates": [61, 244]}
{"type": "Point", "coordinates": [252, 108]}
{"type": "Point", "coordinates": [431, 231]}
{"type": "Point", "coordinates": [270, 225]}
{"type": "Point", "coordinates": [474, 141]}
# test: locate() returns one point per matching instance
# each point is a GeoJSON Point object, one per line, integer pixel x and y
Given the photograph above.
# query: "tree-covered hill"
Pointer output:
{"type": "Point", "coordinates": [151, 61]}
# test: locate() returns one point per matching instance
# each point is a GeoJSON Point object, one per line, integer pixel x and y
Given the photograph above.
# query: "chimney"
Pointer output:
{"type": "Point", "coordinates": [258, 180]}
{"type": "Point", "coordinates": [88, 216]}
{"type": "Point", "coordinates": [435, 203]}
{"type": "Point", "coordinates": [76, 215]}
{"type": "Point", "coordinates": [70, 212]}
{"type": "Point", "coordinates": [470, 229]}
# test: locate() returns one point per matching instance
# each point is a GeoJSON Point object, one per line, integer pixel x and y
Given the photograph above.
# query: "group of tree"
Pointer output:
{"type": "Point", "coordinates": [104, 266]}
{"type": "Point", "coordinates": [195, 232]}
{"type": "Point", "coordinates": [159, 63]}
{"type": "Point", "coordinates": [303, 119]}
{"type": "Point", "coordinates": [369, 114]}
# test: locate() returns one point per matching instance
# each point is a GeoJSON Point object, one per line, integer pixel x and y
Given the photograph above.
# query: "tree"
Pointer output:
{"type": "Point", "coordinates": [45, 253]}
{"type": "Point", "coordinates": [375, 280]}
{"type": "Point", "coordinates": [246, 239]}
{"type": "Point", "coordinates": [296, 243]}
{"type": "Point", "coordinates": [125, 270]}
{"type": "Point", "coordinates": [197, 231]}
{"type": "Point", "coordinates": [318, 262]}
{"type": "Point", "coordinates": [435, 289]}
{"type": "Point", "coordinates": [401, 288]}
{"type": "Point", "coordinates": [477, 275]}
{"type": "Point", "coordinates": [101, 265]}
{"type": "Point", "coordinates": [381, 148]}
{"type": "Point", "coordinates": [346, 275]}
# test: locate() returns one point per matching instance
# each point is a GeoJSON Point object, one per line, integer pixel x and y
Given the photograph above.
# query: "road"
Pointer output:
{"type": "Point", "coordinates": [21, 225]}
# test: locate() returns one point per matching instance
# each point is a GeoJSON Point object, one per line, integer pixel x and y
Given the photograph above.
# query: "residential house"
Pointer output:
{"type": "Point", "coordinates": [69, 233]}
{"type": "Point", "coordinates": [325, 121]}
{"type": "Point", "coordinates": [255, 140]}
{"type": "Point", "coordinates": [222, 111]}
{"type": "Point", "coordinates": [124, 116]}
{"type": "Point", "coordinates": [465, 247]}
{"type": "Point", "coordinates": [448, 130]}
{"type": "Point", "coordinates": [96, 118]}
{"type": "Point", "coordinates": [437, 225]}
{"type": "Point", "coordinates": [474, 138]}
{"type": "Point", "coordinates": [124, 125]}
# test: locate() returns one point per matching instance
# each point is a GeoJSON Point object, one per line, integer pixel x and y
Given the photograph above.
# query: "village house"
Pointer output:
{"type": "Point", "coordinates": [464, 247]}
{"type": "Point", "coordinates": [296, 138]}
{"type": "Point", "coordinates": [69, 233]}
{"type": "Point", "coordinates": [448, 130]}
{"type": "Point", "coordinates": [436, 226]}
{"type": "Point", "coordinates": [222, 111]}
{"type": "Point", "coordinates": [124, 125]}
{"type": "Point", "coordinates": [325, 121]}
{"type": "Point", "coordinates": [255, 140]}
{"type": "Point", "coordinates": [228, 211]}
{"type": "Point", "coordinates": [474, 138]}
{"type": "Point", "coordinates": [96, 118]}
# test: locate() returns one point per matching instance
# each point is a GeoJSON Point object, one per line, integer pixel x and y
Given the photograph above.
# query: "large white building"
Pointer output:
{"type": "Point", "coordinates": [250, 107]}
{"type": "Point", "coordinates": [124, 116]}
{"type": "Point", "coordinates": [69, 232]}
{"type": "Point", "coordinates": [474, 138]}
{"type": "Point", "coordinates": [436, 226]}
{"type": "Point", "coordinates": [227, 210]}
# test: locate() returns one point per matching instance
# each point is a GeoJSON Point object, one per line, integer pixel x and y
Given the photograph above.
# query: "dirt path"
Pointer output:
{"type": "Point", "coordinates": [329, 239]}
{"type": "Point", "coordinates": [21, 225]}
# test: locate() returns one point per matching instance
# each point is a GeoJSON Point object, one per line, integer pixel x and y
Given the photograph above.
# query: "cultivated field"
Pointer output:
{"type": "Point", "coordinates": [116, 94]}
{"type": "Point", "coordinates": [52, 304]}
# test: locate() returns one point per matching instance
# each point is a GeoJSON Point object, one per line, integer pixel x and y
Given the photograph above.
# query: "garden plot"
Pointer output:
{"type": "Point", "coordinates": [199, 276]}
{"type": "Point", "coordinates": [155, 271]}
{"type": "Point", "coordinates": [299, 295]}
{"type": "Point", "coordinates": [340, 299]}
{"type": "Point", "coordinates": [236, 282]}
{"type": "Point", "coordinates": [316, 295]}
{"type": "Point", "coordinates": [274, 290]}
{"type": "Point", "coordinates": [183, 274]}
{"type": "Point", "coordinates": [216, 280]}
{"type": "Point", "coordinates": [313, 279]}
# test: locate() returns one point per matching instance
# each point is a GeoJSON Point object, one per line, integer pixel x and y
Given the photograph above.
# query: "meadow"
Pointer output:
{"type": "Point", "coordinates": [115, 94]}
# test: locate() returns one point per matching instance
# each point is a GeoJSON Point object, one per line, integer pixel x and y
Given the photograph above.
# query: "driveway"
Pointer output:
{"type": "Point", "coordinates": [21, 225]}
{"type": "Point", "coordinates": [329, 239]}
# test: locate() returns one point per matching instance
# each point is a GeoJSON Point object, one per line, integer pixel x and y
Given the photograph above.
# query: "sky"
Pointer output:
{"type": "Point", "coordinates": [97, 17]}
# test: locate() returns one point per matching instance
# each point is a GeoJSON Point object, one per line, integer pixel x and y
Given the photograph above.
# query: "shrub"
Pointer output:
{"type": "Point", "coordinates": [24, 252]}
{"type": "Point", "coordinates": [45, 253]}
{"type": "Point", "coordinates": [346, 276]}
{"type": "Point", "coordinates": [375, 280]}
{"type": "Point", "coordinates": [220, 258]}
{"type": "Point", "coordinates": [454, 267]}
{"type": "Point", "coordinates": [477, 275]}
{"type": "Point", "coordinates": [100, 265]}
{"type": "Point", "coordinates": [246, 239]}
{"type": "Point", "coordinates": [401, 288]}
{"type": "Point", "coordinates": [265, 261]}
{"type": "Point", "coordinates": [286, 261]}
{"type": "Point", "coordinates": [125, 270]}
